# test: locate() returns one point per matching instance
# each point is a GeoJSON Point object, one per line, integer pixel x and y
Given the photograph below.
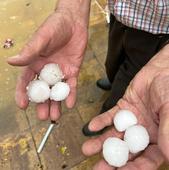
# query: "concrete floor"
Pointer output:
{"type": "Point", "coordinates": [21, 131]}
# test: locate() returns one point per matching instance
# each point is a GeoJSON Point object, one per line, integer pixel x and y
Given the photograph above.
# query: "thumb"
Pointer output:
{"type": "Point", "coordinates": [30, 51]}
{"type": "Point", "coordinates": [163, 136]}
{"type": "Point", "coordinates": [55, 25]}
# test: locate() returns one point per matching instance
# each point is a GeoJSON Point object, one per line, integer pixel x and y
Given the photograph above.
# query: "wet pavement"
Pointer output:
{"type": "Point", "coordinates": [21, 131]}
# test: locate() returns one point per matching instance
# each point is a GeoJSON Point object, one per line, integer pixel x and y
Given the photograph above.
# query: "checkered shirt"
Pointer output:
{"type": "Point", "coordinates": [148, 15]}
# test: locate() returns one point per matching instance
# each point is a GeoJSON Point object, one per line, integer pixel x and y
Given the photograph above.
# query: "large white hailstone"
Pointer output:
{"type": "Point", "coordinates": [115, 151]}
{"type": "Point", "coordinates": [51, 74]}
{"type": "Point", "coordinates": [137, 138]}
{"type": "Point", "coordinates": [124, 119]}
{"type": "Point", "coordinates": [59, 91]}
{"type": "Point", "coordinates": [38, 91]}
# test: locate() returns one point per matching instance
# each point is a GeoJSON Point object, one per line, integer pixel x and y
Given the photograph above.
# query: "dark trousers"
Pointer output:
{"type": "Point", "coordinates": [128, 51]}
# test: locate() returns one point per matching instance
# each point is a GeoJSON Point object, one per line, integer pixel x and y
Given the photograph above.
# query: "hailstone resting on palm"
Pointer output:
{"type": "Point", "coordinates": [48, 85]}
{"type": "Point", "coordinates": [136, 139]}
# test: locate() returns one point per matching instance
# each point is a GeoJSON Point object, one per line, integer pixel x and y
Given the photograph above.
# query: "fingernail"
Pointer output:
{"type": "Point", "coordinates": [91, 127]}
{"type": "Point", "coordinates": [16, 56]}
{"type": "Point", "coordinates": [13, 57]}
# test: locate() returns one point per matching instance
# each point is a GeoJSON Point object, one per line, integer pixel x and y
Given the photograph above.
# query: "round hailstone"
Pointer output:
{"type": "Point", "coordinates": [59, 91]}
{"type": "Point", "coordinates": [115, 152]}
{"type": "Point", "coordinates": [137, 138]}
{"type": "Point", "coordinates": [124, 119]}
{"type": "Point", "coordinates": [51, 74]}
{"type": "Point", "coordinates": [38, 91]}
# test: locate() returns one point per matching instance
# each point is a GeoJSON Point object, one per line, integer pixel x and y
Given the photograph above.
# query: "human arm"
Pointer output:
{"type": "Point", "coordinates": [61, 39]}
{"type": "Point", "coordinates": [148, 97]}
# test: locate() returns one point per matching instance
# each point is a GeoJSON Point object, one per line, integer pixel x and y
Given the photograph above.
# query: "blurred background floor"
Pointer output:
{"type": "Point", "coordinates": [21, 131]}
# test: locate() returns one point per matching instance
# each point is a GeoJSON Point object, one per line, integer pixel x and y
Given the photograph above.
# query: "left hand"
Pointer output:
{"type": "Point", "coordinates": [148, 97]}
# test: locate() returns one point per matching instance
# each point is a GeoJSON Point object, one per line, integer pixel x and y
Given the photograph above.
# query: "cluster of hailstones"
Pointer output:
{"type": "Point", "coordinates": [136, 139]}
{"type": "Point", "coordinates": [48, 85]}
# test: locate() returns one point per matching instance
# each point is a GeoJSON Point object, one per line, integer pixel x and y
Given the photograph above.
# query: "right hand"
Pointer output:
{"type": "Point", "coordinates": [61, 39]}
{"type": "Point", "coordinates": [148, 97]}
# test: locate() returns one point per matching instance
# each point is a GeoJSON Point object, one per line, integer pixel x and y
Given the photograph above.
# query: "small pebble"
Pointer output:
{"type": "Point", "coordinates": [8, 43]}
{"type": "Point", "coordinates": [27, 4]}
{"type": "Point", "coordinates": [90, 100]}
{"type": "Point", "coordinates": [64, 166]}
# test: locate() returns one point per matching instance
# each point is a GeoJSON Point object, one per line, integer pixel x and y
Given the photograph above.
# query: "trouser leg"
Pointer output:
{"type": "Point", "coordinates": [115, 39]}
{"type": "Point", "coordinates": [137, 48]}
{"type": "Point", "coordinates": [119, 85]}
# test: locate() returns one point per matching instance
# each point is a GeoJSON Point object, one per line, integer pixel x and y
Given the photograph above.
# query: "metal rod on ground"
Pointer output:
{"type": "Point", "coordinates": [42, 144]}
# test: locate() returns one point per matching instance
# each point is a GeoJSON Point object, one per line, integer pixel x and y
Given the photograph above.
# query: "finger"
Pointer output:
{"type": "Point", "coordinates": [55, 26]}
{"type": "Point", "coordinates": [94, 146]}
{"type": "Point", "coordinates": [103, 120]}
{"type": "Point", "coordinates": [102, 165]}
{"type": "Point", "coordinates": [43, 110]}
{"type": "Point", "coordinates": [163, 136]}
{"type": "Point", "coordinates": [71, 99]}
{"type": "Point", "coordinates": [55, 110]}
{"type": "Point", "coordinates": [21, 94]}
{"type": "Point", "coordinates": [31, 50]}
{"type": "Point", "coordinates": [151, 159]}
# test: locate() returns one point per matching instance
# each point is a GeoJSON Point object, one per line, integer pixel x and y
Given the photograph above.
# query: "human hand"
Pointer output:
{"type": "Point", "coordinates": [148, 97]}
{"type": "Point", "coordinates": [61, 39]}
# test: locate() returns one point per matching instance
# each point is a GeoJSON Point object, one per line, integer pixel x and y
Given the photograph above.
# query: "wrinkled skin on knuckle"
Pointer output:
{"type": "Point", "coordinates": [56, 29]}
{"type": "Point", "coordinates": [59, 28]}
{"type": "Point", "coordinates": [159, 90]}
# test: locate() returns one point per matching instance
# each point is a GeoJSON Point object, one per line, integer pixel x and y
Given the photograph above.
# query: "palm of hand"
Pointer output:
{"type": "Point", "coordinates": [147, 96]}
{"type": "Point", "coordinates": [69, 55]}
{"type": "Point", "coordinates": [59, 40]}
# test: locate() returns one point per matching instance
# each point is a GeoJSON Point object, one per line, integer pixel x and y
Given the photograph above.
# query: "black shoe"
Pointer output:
{"type": "Point", "coordinates": [104, 84]}
{"type": "Point", "coordinates": [87, 132]}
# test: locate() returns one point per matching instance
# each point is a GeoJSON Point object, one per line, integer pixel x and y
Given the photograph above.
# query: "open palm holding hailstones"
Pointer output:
{"type": "Point", "coordinates": [136, 139]}
{"type": "Point", "coordinates": [62, 40]}
{"type": "Point", "coordinates": [50, 76]}
{"type": "Point", "coordinates": [147, 96]}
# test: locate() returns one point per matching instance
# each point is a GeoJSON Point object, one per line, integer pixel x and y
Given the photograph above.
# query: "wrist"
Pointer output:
{"type": "Point", "coordinates": [78, 9]}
